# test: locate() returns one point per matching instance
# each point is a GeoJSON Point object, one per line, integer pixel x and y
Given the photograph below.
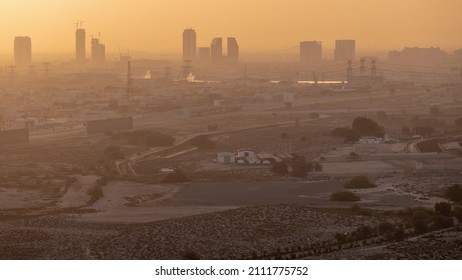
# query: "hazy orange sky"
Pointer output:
{"type": "Point", "coordinates": [156, 25]}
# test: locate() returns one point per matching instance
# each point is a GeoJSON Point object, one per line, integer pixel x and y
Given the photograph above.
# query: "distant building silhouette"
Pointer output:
{"type": "Point", "coordinates": [98, 51]}
{"type": "Point", "coordinates": [310, 52]}
{"type": "Point", "coordinates": [458, 56]}
{"type": "Point", "coordinates": [189, 44]}
{"type": "Point", "coordinates": [418, 56]}
{"type": "Point", "coordinates": [204, 55]}
{"type": "Point", "coordinates": [345, 50]}
{"type": "Point", "coordinates": [80, 38]}
{"type": "Point", "coordinates": [22, 51]}
{"type": "Point", "coordinates": [233, 51]}
{"type": "Point", "coordinates": [216, 51]}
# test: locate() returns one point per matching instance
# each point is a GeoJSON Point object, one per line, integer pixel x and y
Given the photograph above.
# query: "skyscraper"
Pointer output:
{"type": "Point", "coordinates": [98, 51]}
{"type": "Point", "coordinates": [216, 51]}
{"type": "Point", "coordinates": [310, 52]}
{"type": "Point", "coordinates": [80, 36]}
{"type": "Point", "coordinates": [22, 51]}
{"type": "Point", "coordinates": [344, 50]}
{"type": "Point", "coordinates": [233, 51]}
{"type": "Point", "coordinates": [189, 44]}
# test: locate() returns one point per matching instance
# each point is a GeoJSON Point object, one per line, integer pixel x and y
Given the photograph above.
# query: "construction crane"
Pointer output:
{"type": "Point", "coordinates": [79, 24]}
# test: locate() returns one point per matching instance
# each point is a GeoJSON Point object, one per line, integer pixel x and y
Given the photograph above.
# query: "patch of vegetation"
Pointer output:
{"type": "Point", "coordinates": [344, 196]}
{"type": "Point", "coordinates": [349, 134]}
{"type": "Point", "coordinates": [96, 192]}
{"type": "Point", "coordinates": [454, 193]}
{"type": "Point", "coordinates": [441, 222]}
{"type": "Point", "coordinates": [443, 208]}
{"type": "Point", "coordinates": [280, 168]}
{"type": "Point", "coordinates": [177, 176]}
{"type": "Point", "coordinates": [359, 182]}
{"type": "Point", "coordinates": [317, 167]}
{"type": "Point", "coordinates": [300, 167]}
{"type": "Point", "coordinates": [203, 142]}
{"type": "Point", "coordinates": [367, 127]}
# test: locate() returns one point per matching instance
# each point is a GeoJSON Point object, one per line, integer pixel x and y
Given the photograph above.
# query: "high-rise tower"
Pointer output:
{"type": "Point", "coordinates": [22, 51]}
{"type": "Point", "coordinates": [189, 44]}
{"type": "Point", "coordinates": [216, 51]}
{"type": "Point", "coordinates": [233, 51]}
{"type": "Point", "coordinates": [310, 52]}
{"type": "Point", "coordinates": [345, 50]}
{"type": "Point", "coordinates": [80, 36]}
{"type": "Point", "coordinates": [98, 51]}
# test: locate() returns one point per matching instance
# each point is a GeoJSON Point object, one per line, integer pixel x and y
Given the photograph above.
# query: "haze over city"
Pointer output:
{"type": "Point", "coordinates": [250, 130]}
{"type": "Point", "coordinates": [153, 26]}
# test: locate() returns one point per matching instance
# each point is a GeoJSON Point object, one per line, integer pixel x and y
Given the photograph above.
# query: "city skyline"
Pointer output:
{"type": "Point", "coordinates": [377, 25]}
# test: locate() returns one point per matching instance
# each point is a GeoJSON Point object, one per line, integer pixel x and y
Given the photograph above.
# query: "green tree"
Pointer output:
{"type": "Point", "coordinates": [365, 127]}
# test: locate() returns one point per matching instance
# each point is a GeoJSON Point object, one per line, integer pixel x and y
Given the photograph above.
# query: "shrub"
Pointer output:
{"type": "Point", "coordinates": [458, 214]}
{"type": "Point", "coordinates": [441, 222]}
{"type": "Point", "coordinates": [366, 127]}
{"type": "Point", "coordinates": [300, 167]}
{"type": "Point", "coordinates": [454, 193]}
{"type": "Point", "coordinates": [177, 176]}
{"type": "Point", "coordinates": [420, 225]}
{"type": "Point", "coordinates": [344, 196]}
{"type": "Point", "coordinates": [349, 134]}
{"type": "Point", "coordinates": [359, 182]}
{"type": "Point", "coordinates": [95, 193]}
{"type": "Point", "coordinates": [385, 227]}
{"type": "Point", "coordinates": [280, 168]}
{"type": "Point", "coordinates": [317, 166]}
{"type": "Point", "coordinates": [442, 208]}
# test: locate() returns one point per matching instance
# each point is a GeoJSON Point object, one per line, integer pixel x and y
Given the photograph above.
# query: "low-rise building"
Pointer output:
{"type": "Point", "coordinates": [226, 157]}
